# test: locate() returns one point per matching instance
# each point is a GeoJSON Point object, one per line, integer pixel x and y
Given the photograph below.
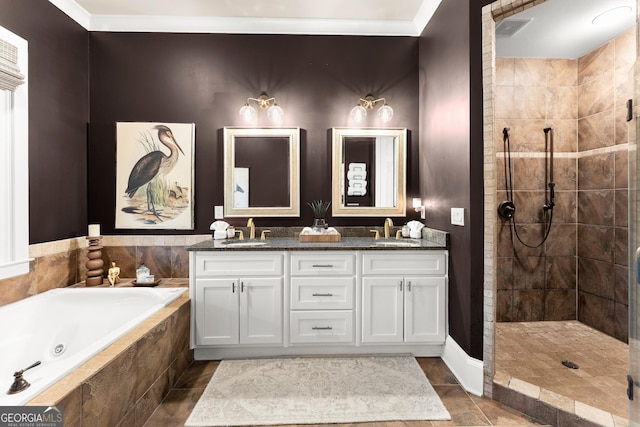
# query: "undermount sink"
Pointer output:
{"type": "Point", "coordinates": [397, 243]}
{"type": "Point", "coordinates": [241, 243]}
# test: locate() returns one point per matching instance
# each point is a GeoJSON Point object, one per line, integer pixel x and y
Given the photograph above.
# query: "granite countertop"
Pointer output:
{"type": "Point", "coordinates": [293, 244]}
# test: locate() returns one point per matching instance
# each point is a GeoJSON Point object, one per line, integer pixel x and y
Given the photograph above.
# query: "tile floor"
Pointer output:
{"type": "Point", "coordinates": [533, 352]}
{"type": "Point", "coordinates": [465, 409]}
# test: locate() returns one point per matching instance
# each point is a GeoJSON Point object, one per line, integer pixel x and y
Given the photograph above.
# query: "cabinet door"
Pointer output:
{"type": "Point", "coordinates": [424, 309]}
{"type": "Point", "coordinates": [216, 311]}
{"type": "Point", "coordinates": [261, 310]}
{"type": "Point", "coordinates": [382, 309]}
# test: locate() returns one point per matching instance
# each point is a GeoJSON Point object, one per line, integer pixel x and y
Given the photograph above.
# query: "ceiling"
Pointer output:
{"type": "Point", "coordinates": [557, 28]}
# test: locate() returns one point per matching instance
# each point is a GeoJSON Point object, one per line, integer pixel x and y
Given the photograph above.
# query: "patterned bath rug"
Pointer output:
{"type": "Point", "coordinates": [317, 390]}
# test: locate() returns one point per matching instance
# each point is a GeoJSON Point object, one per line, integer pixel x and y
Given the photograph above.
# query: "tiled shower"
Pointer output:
{"type": "Point", "coordinates": [581, 271]}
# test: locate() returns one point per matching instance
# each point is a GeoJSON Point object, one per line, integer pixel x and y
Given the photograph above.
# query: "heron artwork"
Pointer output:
{"type": "Point", "coordinates": [151, 169]}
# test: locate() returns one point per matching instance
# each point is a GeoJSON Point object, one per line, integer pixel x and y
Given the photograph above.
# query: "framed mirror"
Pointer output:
{"type": "Point", "coordinates": [261, 172]}
{"type": "Point", "coordinates": [369, 172]}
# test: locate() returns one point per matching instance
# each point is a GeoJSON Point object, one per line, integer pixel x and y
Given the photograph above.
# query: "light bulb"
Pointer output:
{"type": "Point", "coordinates": [385, 113]}
{"type": "Point", "coordinates": [358, 113]}
{"type": "Point", "coordinates": [275, 113]}
{"type": "Point", "coordinates": [248, 114]}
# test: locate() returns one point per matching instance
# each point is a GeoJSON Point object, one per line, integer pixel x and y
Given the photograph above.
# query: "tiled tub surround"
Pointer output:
{"type": "Point", "coordinates": [124, 383]}
{"type": "Point", "coordinates": [581, 271]}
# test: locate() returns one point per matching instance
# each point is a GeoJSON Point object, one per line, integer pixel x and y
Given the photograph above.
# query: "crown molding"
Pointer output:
{"type": "Point", "coordinates": [74, 11]}
{"type": "Point", "coordinates": [425, 13]}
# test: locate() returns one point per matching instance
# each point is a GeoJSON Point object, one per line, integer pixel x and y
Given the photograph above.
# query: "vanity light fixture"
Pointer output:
{"type": "Point", "coordinates": [359, 112]}
{"type": "Point", "coordinates": [419, 207]}
{"type": "Point", "coordinates": [275, 113]}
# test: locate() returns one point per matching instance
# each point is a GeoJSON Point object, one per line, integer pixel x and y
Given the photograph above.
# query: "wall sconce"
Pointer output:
{"type": "Point", "coordinates": [275, 113]}
{"type": "Point", "coordinates": [419, 207]}
{"type": "Point", "coordinates": [359, 112]}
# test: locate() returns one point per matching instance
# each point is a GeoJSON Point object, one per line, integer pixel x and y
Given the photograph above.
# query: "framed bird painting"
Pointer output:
{"type": "Point", "coordinates": [154, 175]}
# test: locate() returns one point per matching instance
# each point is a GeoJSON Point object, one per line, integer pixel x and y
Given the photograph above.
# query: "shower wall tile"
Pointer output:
{"type": "Point", "coordinates": [596, 243]}
{"type": "Point", "coordinates": [504, 305]}
{"type": "Point", "coordinates": [625, 48]}
{"type": "Point", "coordinates": [562, 102]}
{"type": "Point", "coordinates": [621, 246]}
{"type": "Point", "coordinates": [596, 95]}
{"type": "Point", "coordinates": [565, 137]}
{"type": "Point", "coordinates": [565, 174]}
{"type": "Point", "coordinates": [621, 216]}
{"type": "Point", "coordinates": [530, 72]}
{"type": "Point", "coordinates": [504, 102]}
{"type": "Point", "coordinates": [528, 273]}
{"type": "Point", "coordinates": [561, 241]}
{"type": "Point", "coordinates": [596, 131]}
{"type": "Point", "coordinates": [596, 312]}
{"type": "Point", "coordinates": [596, 172]}
{"type": "Point", "coordinates": [623, 85]}
{"type": "Point", "coordinates": [560, 304]}
{"type": "Point", "coordinates": [529, 174]}
{"type": "Point", "coordinates": [565, 210]}
{"type": "Point", "coordinates": [621, 169]}
{"type": "Point", "coordinates": [529, 102]}
{"type": "Point", "coordinates": [596, 207]}
{"type": "Point", "coordinates": [530, 234]}
{"type": "Point", "coordinates": [562, 72]}
{"type": "Point", "coordinates": [179, 261]}
{"type": "Point", "coordinates": [56, 271]}
{"type": "Point", "coordinates": [621, 322]}
{"type": "Point", "coordinates": [504, 270]}
{"type": "Point", "coordinates": [529, 206]}
{"type": "Point", "coordinates": [19, 287]}
{"type": "Point", "coordinates": [526, 135]}
{"type": "Point", "coordinates": [560, 273]}
{"type": "Point", "coordinates": [621, 284]}
{"type": "Point", "coordinates": [595, 64]}
{"type": "Point", "coordinates": [621, 126]}
{"type": "Point", "coordinates": [505, 69]}
{"type": "Point", "coordinates": [528, 305]}
{"type": "Point", "coordinates": [596, 278]}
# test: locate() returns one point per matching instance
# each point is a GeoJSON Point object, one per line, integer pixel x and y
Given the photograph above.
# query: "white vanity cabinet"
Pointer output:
{"type": "Point", "coordinates": [404, 297]}
{"type": "Point", "coordinates": [322, 297]}
{"type": "Point", "coordinates": [238, 297]}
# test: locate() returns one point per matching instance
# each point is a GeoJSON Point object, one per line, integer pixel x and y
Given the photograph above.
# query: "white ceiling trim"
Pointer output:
{"type": "Point", "coordinates": [179, 24]}
{"type": "Point", "coordinates": [242, 25]}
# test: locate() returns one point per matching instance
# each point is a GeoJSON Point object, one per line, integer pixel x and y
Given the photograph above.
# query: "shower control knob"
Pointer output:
{"type": "Point", "coordinates": [506, 210]}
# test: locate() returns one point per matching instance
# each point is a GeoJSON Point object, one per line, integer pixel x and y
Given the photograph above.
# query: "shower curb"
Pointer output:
{"type": "Point", "coordinates": [548, 407]}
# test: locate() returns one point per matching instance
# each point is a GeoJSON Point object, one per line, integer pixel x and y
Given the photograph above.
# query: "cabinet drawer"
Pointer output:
{"type": "Point", "coordinates": [317, 293]}
{"type": "Point", "coordinates": [323, 263]}
{"type": "Point", "coordinates": [239, 263]}
{"type": "Point", "coordinates": [409, 262]}
{"type": "Point", "coordinates": [308, 327]}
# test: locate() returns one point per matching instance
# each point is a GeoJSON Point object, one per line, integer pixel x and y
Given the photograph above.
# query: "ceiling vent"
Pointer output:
{"type": "Point", "coordinates": [508, 28]}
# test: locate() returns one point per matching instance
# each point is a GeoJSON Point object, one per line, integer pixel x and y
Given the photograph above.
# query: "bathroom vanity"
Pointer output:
{"type": "Point", "coordinates": [283, 297]}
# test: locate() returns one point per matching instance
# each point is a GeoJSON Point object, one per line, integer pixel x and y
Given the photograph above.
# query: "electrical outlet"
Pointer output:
{"type": "Point", "coordinates": [457, 216]}
{"type": "Point", "coordinates": [218, 212]}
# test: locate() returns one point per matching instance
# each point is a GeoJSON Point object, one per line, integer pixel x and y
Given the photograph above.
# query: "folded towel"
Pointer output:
{"type": "Point", "coordinates": [357, 183]}
{"type": "Point", "coordinates": [357, 166]}
{"type": "Point", "coordinates": [357, 175]}
{"type": "Point", "coordinates": [360, 191]}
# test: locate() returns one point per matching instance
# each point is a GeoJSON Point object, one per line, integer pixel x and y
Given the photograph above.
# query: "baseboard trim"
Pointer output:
{"type": "Point", "coordinates": [467, 370]}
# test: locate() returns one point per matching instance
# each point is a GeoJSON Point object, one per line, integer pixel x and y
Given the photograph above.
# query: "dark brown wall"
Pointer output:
{"type": "Point", "coordinates": [58, 115]}
{"type": "Point", "coordinates": [206, 78]}
{"type": "Point", "coordinates": [450, 164]}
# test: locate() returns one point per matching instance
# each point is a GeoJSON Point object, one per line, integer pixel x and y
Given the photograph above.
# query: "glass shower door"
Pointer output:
{"type": "Point", "coordinates": [633, 390]}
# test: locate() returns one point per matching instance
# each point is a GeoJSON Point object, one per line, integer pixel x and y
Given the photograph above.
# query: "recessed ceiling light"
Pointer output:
{"type": "Point", "coordinates": [611, 15]}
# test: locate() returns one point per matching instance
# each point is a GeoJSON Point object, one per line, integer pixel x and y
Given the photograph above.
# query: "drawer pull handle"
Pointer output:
{"type": "Point", "coordinates": [321, 328]}
{"type": "Point", "coordinates": [233, 287]}
{"type": "Point", "coordinates": [322, 266]}
{"type": "Point", "coordinates": [409, 286]}
{"type": "Point", "coordinates": [401, 286]}
{"type": "Point", "coordinates": [322, 295]}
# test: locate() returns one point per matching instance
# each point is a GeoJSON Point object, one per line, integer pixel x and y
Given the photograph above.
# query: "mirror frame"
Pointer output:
{"type": "Point", "coordinates": [400, 152]}
{"type": "Point", "coordinates": [230, 133]}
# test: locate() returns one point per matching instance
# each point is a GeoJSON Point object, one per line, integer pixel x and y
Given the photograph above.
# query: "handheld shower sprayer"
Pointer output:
{"type": "Point", "coordinates": [548, 133]}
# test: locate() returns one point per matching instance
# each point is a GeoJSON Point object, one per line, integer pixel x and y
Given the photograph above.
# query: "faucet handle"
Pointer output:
{"type": "Point", "coordinates": [263, 235]}
{"type": "Point", "coordinates": [398, 234]}
{"type": "Point", "coordinates": [377, 235]}
{"type": "Point", "coordinates": [241, 234]}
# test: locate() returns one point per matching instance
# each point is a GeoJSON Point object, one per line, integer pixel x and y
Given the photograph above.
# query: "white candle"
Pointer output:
{"type": "Point", "coordinates": [94, 230]}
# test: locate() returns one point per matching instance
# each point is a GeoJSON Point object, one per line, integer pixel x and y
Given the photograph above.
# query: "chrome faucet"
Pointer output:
{"type": "Point", "coordinates": [252, 226]}
{"type": "Point", "coordinates": [387, 223]}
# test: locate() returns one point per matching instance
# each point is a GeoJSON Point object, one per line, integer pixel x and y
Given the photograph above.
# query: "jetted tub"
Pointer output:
{"type": "Point", "coordinates": [63, 328]}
